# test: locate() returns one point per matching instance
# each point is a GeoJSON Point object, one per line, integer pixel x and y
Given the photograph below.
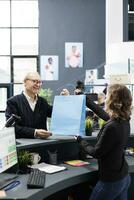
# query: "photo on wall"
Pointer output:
{"type": "Point", "coordinates": [90, 77]}
{"type": "Point", "coordinates": [73, 54]}
{"type": "Point", "coordinates": [49, 67]}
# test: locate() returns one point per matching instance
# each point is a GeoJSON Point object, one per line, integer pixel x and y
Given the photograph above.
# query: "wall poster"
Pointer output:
{"type": "Point", "coordinates": [73, 54]}
{"type": "Point", "coordinates": [90, 77]}
{"type": "Point", "coordinates": [49, 67]}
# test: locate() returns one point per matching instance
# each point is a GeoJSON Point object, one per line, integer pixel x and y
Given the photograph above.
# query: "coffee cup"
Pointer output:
{"type": "Point", "coordinates": [52, 157]}
{"type": "Point", "coordinates": [35, 158]}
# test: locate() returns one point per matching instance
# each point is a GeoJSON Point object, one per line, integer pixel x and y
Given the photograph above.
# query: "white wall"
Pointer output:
{"type": "Point", "coordinates": [117, 51]}
{"type": "Point", "coordinates": [114, 21]}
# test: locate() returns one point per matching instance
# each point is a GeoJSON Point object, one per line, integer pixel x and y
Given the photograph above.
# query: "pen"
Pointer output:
{"type": "Point", "coordinates": [11, 185]}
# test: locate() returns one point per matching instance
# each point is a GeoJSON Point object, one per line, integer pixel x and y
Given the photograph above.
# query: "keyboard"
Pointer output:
{"type": "Point", "coordinates": [36, 179]}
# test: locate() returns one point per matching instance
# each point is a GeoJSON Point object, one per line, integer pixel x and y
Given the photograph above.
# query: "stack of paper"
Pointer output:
{"type": "Point", "coordinates": [48, 168]}
{"type": "Point", "coordinates": [77, 163]}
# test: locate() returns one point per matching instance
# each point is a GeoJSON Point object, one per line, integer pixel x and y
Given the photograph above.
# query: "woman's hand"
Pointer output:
{"type": "Point", "coordinates": [78, 138]}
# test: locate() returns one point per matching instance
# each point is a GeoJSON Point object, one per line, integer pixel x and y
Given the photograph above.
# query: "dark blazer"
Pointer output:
{"type": "Point", "coordinates": [109, 149]}
{"type": "Point", "coordinates": [30, 120]}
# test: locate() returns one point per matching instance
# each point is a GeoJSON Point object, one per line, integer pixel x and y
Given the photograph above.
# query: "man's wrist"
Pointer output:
{"type": "Point", "coordinates": [35, 134]}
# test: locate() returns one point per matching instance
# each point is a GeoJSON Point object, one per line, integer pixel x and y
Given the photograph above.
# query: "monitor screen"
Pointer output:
{"type": "Point", "coordinates": [8, 153]}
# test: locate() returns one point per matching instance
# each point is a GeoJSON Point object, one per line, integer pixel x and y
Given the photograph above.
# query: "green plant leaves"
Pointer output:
{"type": "Point", "coordinates": [46, 94]}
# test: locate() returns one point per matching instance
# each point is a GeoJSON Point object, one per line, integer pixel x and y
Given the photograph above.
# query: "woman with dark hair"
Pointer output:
{"type": "Point", "coordinates": [79, 89]}
{"type": "Point", "coordinates": [112, 139]}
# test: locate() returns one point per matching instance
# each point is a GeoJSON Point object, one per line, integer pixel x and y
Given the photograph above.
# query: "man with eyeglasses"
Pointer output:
{"type": "Point", "coordinates": [32, 109]}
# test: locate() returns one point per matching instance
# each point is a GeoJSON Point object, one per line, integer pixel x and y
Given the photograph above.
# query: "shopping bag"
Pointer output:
{"type": "Point", "coordinates": [68, 115]}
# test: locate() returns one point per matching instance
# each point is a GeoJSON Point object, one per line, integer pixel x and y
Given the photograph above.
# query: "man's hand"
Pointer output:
{"type": "Point", "coordinates": [65, 92]}
{"type": "Point", "coordinates": [41, 133]}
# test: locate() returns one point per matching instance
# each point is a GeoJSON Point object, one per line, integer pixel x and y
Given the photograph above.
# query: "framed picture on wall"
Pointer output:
{"type": "Point", "coordinates": [49, 67]}
{"type": "Point", "coordinates": [73, 54]}
{"type": "Point", "coordinates": [90, 77]}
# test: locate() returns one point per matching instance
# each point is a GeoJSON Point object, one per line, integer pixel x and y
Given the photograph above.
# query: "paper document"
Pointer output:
{"type": "Point", "coordinates": [48, 168]}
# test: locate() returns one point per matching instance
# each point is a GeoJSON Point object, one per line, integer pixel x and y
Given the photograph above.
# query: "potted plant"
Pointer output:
{"type": "Point", "coordinates": [88, 126]}
{"type": "Point", "coordinates": [24, 160]}
{"type": "Point", "coordinates": [46, 94]}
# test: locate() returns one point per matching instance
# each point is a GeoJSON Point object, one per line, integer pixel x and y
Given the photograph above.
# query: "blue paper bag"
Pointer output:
{"type": "Point", "coordinates": [68, 115]}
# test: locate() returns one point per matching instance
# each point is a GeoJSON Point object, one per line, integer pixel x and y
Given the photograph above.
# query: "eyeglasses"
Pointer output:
{"type": "Point", "coordinates": [35, 81]}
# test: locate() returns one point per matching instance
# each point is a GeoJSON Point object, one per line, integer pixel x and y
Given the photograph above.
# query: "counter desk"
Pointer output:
{"type": "Point", "coordinates": [61, 181]}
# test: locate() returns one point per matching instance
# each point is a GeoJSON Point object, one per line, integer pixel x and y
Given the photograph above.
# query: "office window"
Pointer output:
{"type": "Point", "coordinates": [29, 19]}
{"type": "Point", "coordinates": [4, 41]}
{"type": "Point", "coordinates": [23, 66]}
{"type": "Point", "coordinates": [4, 13]}
{"type": "Point", "coordinates": [3, 94]}
{"type": "Point", "coordinates": [18, 37]}
{"type": "Point", "coordinates": [5, 69]}
{"type": "Point", "coordinates": [19, 28]}
{"type": "Point", "coordinates": [18, 88]}
{"type": "Point", "coordinates": [25, 41]}
{"type": "Point", "coordinates": [2, 120]}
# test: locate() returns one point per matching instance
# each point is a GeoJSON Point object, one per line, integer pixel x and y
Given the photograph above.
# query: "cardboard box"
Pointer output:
{"type": "Point", "coordinates": [120, 79]}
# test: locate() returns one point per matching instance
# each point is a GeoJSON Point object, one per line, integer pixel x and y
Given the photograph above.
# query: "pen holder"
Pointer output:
{"type": "Point", "coordinates": [52, 157]}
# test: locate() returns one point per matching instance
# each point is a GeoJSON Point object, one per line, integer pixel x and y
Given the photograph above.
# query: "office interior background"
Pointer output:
{"type": "Point", "coordinates": [30, 29]}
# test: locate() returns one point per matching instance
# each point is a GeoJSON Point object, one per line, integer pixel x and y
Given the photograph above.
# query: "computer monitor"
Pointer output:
{"type": "Point", "coordinates": [8, 152]}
